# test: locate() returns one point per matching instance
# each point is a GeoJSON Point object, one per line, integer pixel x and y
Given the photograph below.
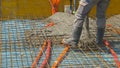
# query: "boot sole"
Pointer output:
{"type": "Point", "coordinates": [63, 42]}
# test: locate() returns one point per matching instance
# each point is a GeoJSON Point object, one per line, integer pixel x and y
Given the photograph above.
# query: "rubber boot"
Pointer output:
{"type": "Point", "coordinates": [74, 39]}
{"type": "Point", "coordinates": [100, 35]}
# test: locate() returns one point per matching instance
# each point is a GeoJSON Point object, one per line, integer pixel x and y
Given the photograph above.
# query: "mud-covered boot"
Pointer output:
{"type": "Point", "coordinates": [74, 39]}
{"type": "Point", "coordinates": [100, 35]}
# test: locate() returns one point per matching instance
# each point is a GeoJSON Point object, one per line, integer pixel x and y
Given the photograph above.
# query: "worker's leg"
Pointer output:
{"type": "Point", "coordinates": [101, 20]}
{"type": "Point", "coordinates": [81, 13]}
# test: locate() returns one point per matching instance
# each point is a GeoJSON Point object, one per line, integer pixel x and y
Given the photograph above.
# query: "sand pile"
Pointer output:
{"type": "Point", "coordinates": [64, 23]}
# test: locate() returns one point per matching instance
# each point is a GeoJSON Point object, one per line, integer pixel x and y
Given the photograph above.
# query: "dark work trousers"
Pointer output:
{"type": "Point", "coordinates": [82, 11]}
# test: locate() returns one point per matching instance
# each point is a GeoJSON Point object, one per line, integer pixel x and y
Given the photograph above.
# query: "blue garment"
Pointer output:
{"type": "Point", "coordinates": [84, 8]}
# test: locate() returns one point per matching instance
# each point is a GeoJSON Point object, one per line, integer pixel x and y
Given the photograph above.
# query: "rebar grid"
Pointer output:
{"type": "Point", "coordinates": [21, 41]}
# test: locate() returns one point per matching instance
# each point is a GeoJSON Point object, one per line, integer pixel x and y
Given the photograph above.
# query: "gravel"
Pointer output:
{"type": "Point", "coordinates": [64, 23]}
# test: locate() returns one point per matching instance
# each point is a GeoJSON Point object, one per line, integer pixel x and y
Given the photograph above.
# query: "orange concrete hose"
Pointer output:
{"type": "Point", "coordinates": [48, 51]}
{"type": "Point", "coordinates": [54, 5]}
{"type": "Point", "coordinates": [50, 24]}
{"type": "Point", "coordinates": [116, 31]}
{"type": "Point", "coordinates": [59, 59]}
{"type": "Point", "coordinates": [115, 56]}
{"type": "Point", "coordinates": [39, 55]}
{"type": "Point", "coordinates": [113, 29]}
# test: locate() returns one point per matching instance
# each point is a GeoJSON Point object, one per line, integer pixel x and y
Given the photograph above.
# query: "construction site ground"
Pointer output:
{"type": "Point", "coordinates": [22, 39]}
